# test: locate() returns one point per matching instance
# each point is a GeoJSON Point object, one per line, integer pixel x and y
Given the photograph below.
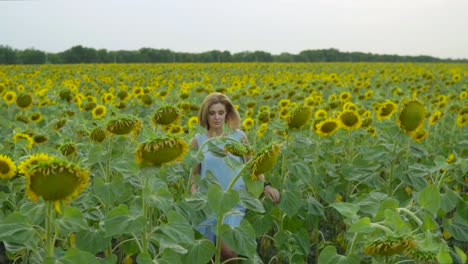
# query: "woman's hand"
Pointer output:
{"type": "Point", "coordinates": [272, 193]}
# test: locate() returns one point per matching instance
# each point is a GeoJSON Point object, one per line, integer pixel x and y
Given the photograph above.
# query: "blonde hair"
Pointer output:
{"type": "Point", "coordinates": [232, 116]}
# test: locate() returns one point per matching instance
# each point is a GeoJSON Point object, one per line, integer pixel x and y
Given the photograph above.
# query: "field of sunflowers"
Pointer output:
{"type": "Point", "coordinates": [371, 161]}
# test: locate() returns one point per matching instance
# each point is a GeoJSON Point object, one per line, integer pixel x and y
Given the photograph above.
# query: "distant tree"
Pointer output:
{"type": "Point", "coordinates": [32, 56]}
{"type": "Point", "coordinates": [8, 55]}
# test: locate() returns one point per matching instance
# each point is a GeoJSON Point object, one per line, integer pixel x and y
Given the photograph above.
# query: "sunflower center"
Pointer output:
{"type": "Point", "coordinates": [4, 167]}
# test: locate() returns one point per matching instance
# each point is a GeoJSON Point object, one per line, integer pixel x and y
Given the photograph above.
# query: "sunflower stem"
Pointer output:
{"type": "Point", "coordinates": [50, 238]}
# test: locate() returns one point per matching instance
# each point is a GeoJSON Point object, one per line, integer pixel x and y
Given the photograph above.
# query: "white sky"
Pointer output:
{"type": "Point", "coordinates": [436, 28]}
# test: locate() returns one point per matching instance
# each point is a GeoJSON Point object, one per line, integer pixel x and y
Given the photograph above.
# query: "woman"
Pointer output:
{"type": "Point", "coordinates": [215, 112]}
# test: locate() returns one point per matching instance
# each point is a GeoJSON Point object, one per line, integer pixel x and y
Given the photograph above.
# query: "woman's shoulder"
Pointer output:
{"type": "Point", "coordinates": [238, 134]}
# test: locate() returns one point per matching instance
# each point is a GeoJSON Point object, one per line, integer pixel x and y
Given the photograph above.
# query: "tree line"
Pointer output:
{"type": "Point", "coordinates": [80, 54]}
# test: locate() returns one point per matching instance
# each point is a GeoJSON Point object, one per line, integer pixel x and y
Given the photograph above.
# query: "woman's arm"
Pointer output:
{"type": "Point", "coordinates": [196, 169]}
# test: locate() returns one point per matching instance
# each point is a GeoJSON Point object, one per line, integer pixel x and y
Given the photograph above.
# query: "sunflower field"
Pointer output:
{"type": "Point", "coordinates": [371, 161]}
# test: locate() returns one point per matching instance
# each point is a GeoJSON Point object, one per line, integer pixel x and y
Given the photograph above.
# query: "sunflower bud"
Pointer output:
{"type": "Point", "coordinates": [124, 126]}
{"type": "Point", "coordinates": [237, 149]}
{"type": "Point", "coordinates": [98, 135]}
{"type": "Point", "coordinates": [159, 151]}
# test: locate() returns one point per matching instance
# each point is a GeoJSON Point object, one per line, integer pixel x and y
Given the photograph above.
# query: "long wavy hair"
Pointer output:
{"type": "Point", "coordinates": [233, 120]}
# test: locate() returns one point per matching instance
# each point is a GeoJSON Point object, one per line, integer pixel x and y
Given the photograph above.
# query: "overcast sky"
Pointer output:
{"type": "Point", "coordinates": [436, 28]}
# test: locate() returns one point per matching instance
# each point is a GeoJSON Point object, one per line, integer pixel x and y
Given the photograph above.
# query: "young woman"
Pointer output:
{"type": "Point", "coordinates": [216, 112]}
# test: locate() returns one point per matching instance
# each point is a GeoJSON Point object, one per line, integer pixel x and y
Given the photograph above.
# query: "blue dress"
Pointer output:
{"type": "Point", "coordinates": [223, 173]}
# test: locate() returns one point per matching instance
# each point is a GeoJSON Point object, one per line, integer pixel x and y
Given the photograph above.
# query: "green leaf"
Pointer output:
{"type": "Point", "coordinates": [461, 254]}
{"type": "Point", "coordinates": [108, 192]}
{"type": "Point", "coordinates": [444, 256]}
{"type": "Point", "coordinates": [92, 241]}
{"type": "Point", "coordinates": [118, 222]}
{"type": "Point", "coordinates": [261, 223]}
{"type": "Point", "coordinates": [361, 226]}
{"type": "Point", "coordinates": [329, 256]}
{"type": "Point", "coordinates": [15, 228]}
{"type": "Point", "coordinates": [389, 203]}
{"type": "Point", "coordinates": [429, 223]}
{"type": "Point", "coordinates": [347, 210]}
{"type": "Point", "coordinates": [111, 259]}
{"type": "Point", "coordinates": [35, 212]}
{"type": "Point", "coordinates": [72, 220]}
{"type": "Point", "coordinates": [241, 239]}
{"type": "Point", "coordinates": [394, 220]}
{"type": "Point", "coordinates": [251, 203]}
{"type": "Point", "coordinates": [177, 229]}
{"type": "Point", "coordinates": [429, 198]}
{"type": "Point", "coordinates": [291, 201]}
{"type": "Point", "coordinates": [221, 201]}
{"type": "Point", "coordinates": [449, 200]}
{"type": "Point", "coordinates": [314, 207]}
{"type": "Point", "coordinates": [201, 252]}
{"type": "Point", "coordinates": [144, 258]}
{"type": "Point", "coordinates": [255, 187]}
{"type": "Point", "coordinates": [458, 228]}
{"type": "Point", "coordinates": [74, 255]}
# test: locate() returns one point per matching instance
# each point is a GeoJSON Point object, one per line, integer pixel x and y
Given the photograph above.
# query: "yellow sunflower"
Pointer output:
{"type": "Point", "coordinates": [7, 167]}
{"type": "Point", "coordinates": [284, 103]}
{"type": "Point", "coordinates": [435, 117]}
{"type": "Point", "coordinates": [327, 127]}
{"type": "Point", "coordinates": [9, 97]}
{"type": "Point", "coordinates": [262, 129]}
{"type": "Point", "coordinates": [419, 135]}
{"type": "Point", "coordinates": [386, 110]}
{"type": "Point", "coordinates": [248, 123]}
{"type": "Point", "coordinates": [98, 134]}
{"type": "Point", "coordinates": [99, 111]}
{"type": "Point", "coordinates": [21, 136]}
{"type": "Point", "coordinates": [349, 120]}
{"type": "Point", "coordinates": [265, 160]}
{"type": "Point", "coordinates": [36, 117]}
{"type": "Point", "coordinates": [192, 122]}
{"type": "Point", "coordinates": [345, 97]}
{"type": "Point", "coordinates": [462, 120]}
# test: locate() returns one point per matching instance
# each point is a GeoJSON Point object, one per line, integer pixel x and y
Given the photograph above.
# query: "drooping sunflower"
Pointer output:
{"type": "Point", "coordinates": [345, 97]}
{"type": "Point", "coordinates": [262, 129]}
{"type": "Point", "coordinates": [166, 115]}
{"type": "Point", "coordinates": [419, 135]}
{"type": "Point", "coordinates": [327, 127]}
{"type": "Point", "coordinates": [435, 117]}
{"type": "Point", "coordinates": [238, 149]}
{"type": "Point", "coordinates": [192, 122]}
{"type": "Point", "coordinates": [56, 181]}
{"type": "Point", "coordinates": [389, 246]}
{"type": "Point", "coordinates": [9, 97]}
{"type": "Point", "coordinates": [248, 123]}
{"type": "Point", "coordinates": [349, 120]}
{"type": "Point", "coordinates": [265, 160]}
{"type": "Point", "coordinates": [411, 116]}
{"type": "Point", "coordinates": [99, 111]}
{"type": "Point", "coordinates": [124, 126]}
{"type": "Point", "coordinates": [68, 149]}
{"type": "Point", "coordinates": [21, 136]}
{"type": "Point", "coordinates": [371, 130]}
{"type": "Point", "coordinates": [7, 167]}
{"type": "Point", "coordinates": [40, 139]}
{"type": "Point", "coordinates": [299, 117]}
{"type": "Point", "coordinates": [263, 117]}
{"type": "Point", "coordinates": [386, 110]}
{"type": "Point", "coordinates": [462, 120]}
{"type": "Point", "coordinates": [159, 151]}
{"type": "Point", "coordinates": [59, 124]}
{"type": "Point", "coordinates": [98, 134]}
{"type": "Point", "coordinates": [36, 117]}
{"type": "Point", "coordinates": [24, 101]}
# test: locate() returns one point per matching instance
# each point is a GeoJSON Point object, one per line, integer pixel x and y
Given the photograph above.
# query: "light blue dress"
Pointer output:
{"type": "Point", "coordinates": [223, 173]}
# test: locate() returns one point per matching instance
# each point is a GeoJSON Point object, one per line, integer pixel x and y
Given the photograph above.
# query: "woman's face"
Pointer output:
{"type": "Point", "coordinates": [216, 116]}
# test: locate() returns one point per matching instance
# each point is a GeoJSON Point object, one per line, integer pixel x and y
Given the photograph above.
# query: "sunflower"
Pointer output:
{"type": "Point", "coordinates": [371, 130]}
{"type": "Point", "coordinates": [68, 149]}
{"type": "Point", "coordinates": [463, 95]}
{"type": "Point", "coordinates": [192, 122]}
{"type": "Point", "coordinates": [248, 123]}
{"type": "Point", "coordinates": [40, 139]}
{"type": "Point", "coordinates": [251, 104]}
{"type": "Point", "coordinates": [389, 246]}
{"type": "Point", "coordinates": [299, 117]}
{"type": "Point", "coordinates": [345, 97]}
{"type": "Point", "coordinates": [349, 120]}
{"type": "Point", "coordinates": [249, 113]}
{"type": "Point", "coordinates": [98, 134]}
{"type": "Point", "coordinates": [451, 158]}
{"type": "Point", "coordinates": [60, 123]}
{"type": "Point", "coordinates": [284, 113]}
{"type": "Point", "coordinates": [24, 101]}
{"type": "Point", "coordinates": [386, 110]}
{"type": "Point", "coordinates": [36, 117]}
{"type": "Point", "coordinates": [369, 94]}
{"type": "Point", "coordinates": [435, 117]}
{"type": "Point", "coordinates": [22, 118]}
{"type": "Point", "coordinates": [124, 126]}
{"type": "Point", "coordinates": [419, 135]}
{"type": "Point", "coordinates": [262, 129]}
{"type": "Point", "coordinates": [422, 255]}
{"type": "Point", "coordinates": [238, 149]}
{"type": "Point", "coordinates": [265, 160]}
{"type": "Point", "coordinates": [462, 120]}
{"type": "Point", "coordinates": [456, 77]}
{"type": "Point", "coordinates": [160, 151]}
{"type": "Point", "coordinates": [327, 127]}
{"type": "Point", "coordinates": [411, 116]}
{"type": "Point", "coordinates": [263, 117]}
{"type": "Point", "coordinates": [7, 167]}
{"type": "Point", "coordinates": [321, 113]}
{"type": "Point", "coordinates": [21, 136]}
{"type": "Point", "coordinates": [9, 97]}
{"type": "Point", "coordinates": [99, 111]}
{"type": "Point", "coordinates": [173, 129]}
{"type": "Point", "coordinates": [166, 115]}
{"type": "Point", "coordinates": [107, 98]}
{"type": "Point", "coordinates": [283, 103]}
{"type": "Point", "coordinates": [350, 106]}
{"type": "Point", "coordinates": [332, 97]}
{"type": "Point", "coordinates": [123, 95]}
{"type": "Point", "coordinates": [55, 181]}
{"type": "Point", "coordinates": [33, 161]}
